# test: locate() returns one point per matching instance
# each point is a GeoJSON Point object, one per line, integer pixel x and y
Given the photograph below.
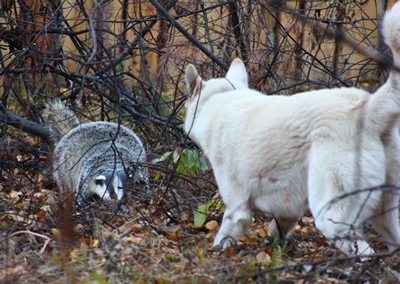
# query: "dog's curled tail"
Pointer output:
{"type": "Point", "coordinates": [391, 31]}
{"type": "Point", "coordinates": [59, 119]}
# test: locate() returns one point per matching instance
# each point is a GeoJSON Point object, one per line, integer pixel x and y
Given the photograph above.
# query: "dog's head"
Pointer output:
{"type": "Point", "coordinates": [235, 79]}
{"type": "Point", "coordinates": [199, 90]}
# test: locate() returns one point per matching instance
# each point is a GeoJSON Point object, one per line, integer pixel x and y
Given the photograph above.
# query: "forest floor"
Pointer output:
{"type": "Point", "coordinates": [150, 237]}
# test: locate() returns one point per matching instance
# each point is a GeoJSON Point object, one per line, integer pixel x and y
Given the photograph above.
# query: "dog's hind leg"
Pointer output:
{"type": "Point", "coordinates": [338, 212]}
{"type": "Point", "coordinates": [386, 219]}
{"type": "Point", "coordinates": [338, 224]}
{"type": "Point", "coordinates": [386, 216]}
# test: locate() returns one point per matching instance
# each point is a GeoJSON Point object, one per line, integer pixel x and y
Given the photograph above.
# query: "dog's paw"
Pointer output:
{"type": "Point", "coordinates": [224, 243]}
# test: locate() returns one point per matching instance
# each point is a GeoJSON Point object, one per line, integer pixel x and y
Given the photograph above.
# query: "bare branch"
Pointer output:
{"type": "Point", "coordinates": [23, 124]}
{"type": "Point", "coordinates": [191, 38]}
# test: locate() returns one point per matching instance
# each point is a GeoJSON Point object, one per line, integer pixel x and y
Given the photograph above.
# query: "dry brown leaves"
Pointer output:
{"type": "Point", "coordinates": [137, 241]}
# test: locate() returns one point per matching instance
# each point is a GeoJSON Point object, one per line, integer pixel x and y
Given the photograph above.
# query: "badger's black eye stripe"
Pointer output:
{"type": "Point", "coordinates": [99, 182]}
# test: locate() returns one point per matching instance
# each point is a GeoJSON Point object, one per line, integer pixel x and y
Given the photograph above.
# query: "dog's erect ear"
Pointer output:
{"type": "Point", "coordinates": [391, 31]}
{"type": "Point", "coordinates": [191, 77]}
{"type": "Point", "coordinates": [237, 74]}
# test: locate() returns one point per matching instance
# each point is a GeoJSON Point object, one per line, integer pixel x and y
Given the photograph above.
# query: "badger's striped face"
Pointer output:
{"type": "Point", "coordinates": [110, 185]}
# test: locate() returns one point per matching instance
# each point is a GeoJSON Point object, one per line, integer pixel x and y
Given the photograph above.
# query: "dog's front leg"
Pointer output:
{"type": "Point", "coordinates": [237, 219]}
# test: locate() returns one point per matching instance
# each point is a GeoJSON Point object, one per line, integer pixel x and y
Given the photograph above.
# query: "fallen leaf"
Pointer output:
{"type": "Point", "coordinates": [176, 269]}
{"type": "Point", "coordinates": [46, 208]}
{"type": "Point", "coordinates": [229, 252]}
{"type": "Point", "coordinates": [307, 220]}
{"type": "Point", "coordinates": [42, 159]}
{"type": "Point", "coordinates": [55, 232]}
{"type": "Point", "coordinates": [15, 194]}
{"type": "Point", "coordinates": [40, 177]}
{"type": "Point", "coordinates": [73, 255]}
{"type": "Point", "coordinates": [21, 158]}
{"type": "Point", "coordinates": [379, 246]}
{"type": "Point", "coordinates": [135, 240]}
{"type": "Point", "coordinates": [263, 257]}
{"type": "Point", "coordinates": [169, 257]}
{"type": "Point", "coordinates": [40, 214]}
{"type": "Point", "coordinates": [15, 217]}
{"type": "Point", "coordinates": [262, 233]}
{"type": "Point", "coordinates": [19, 206]}
{"type": "Point", "coordinates": [137, 227]}
{"type": "Point", "coordinates": [212, 225]}
{"type": "Point", "coordinates": [318, 256]}
{"type": "Point", "coordinates": [161, 280]}
{"type": "Point", "coordinates": [78, 227]}
{"type": "Point", "coordinates": [174, 236]}
{"type": "Point", "coordinates": [19, 269]}
{"type": "Point", "coordinates": [185, 219]}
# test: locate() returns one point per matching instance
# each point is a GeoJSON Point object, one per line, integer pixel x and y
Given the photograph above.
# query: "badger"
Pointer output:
{"type": "Point", "coordinates": [92, 160]}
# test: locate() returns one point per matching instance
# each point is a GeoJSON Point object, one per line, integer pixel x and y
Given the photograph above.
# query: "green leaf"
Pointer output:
{"type": "Point", "coordinates": [176, 156]}
{"type": "Point", "coordinates": [162, 158]}
{"type": "Point", "coordinates": [158, 175]}
{"type": "Point", "coordinates": [191, 158]}
{"type": "Point", "coordinates": [203, 165]}
{"type": "Point", "coordinates": [200, 216]}
{"type": "Point", "coordinates": [181, 169]}
{"type": "Point", "coordinates": [214, 203]}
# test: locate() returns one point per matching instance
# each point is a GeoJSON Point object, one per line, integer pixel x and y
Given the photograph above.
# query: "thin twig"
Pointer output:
{"type": "Point", "coordinates": [46, 242]}
{"type": "Point", "coordinates": [184, 32]}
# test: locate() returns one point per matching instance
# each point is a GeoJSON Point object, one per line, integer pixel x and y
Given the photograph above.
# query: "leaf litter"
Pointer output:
{"type": "Point", "coordinates": [157, 236]}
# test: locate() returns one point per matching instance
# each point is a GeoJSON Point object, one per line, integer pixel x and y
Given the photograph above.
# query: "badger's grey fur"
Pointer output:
{"type": "Point", "coordinates": [92, 159]}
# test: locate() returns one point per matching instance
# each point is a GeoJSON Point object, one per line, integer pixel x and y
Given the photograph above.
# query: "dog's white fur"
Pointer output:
{"type": "Point", "coordinates": [285, 155]}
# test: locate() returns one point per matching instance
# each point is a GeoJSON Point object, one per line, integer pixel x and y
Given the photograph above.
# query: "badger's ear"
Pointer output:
{"type": "Point", "coordinates": [192, 79]}
{"type": "Point", "coordinates": [237, 74]}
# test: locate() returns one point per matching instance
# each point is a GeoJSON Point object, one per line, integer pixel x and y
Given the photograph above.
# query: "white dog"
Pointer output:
{"type": "Point", "coordinates": [285, 155]}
